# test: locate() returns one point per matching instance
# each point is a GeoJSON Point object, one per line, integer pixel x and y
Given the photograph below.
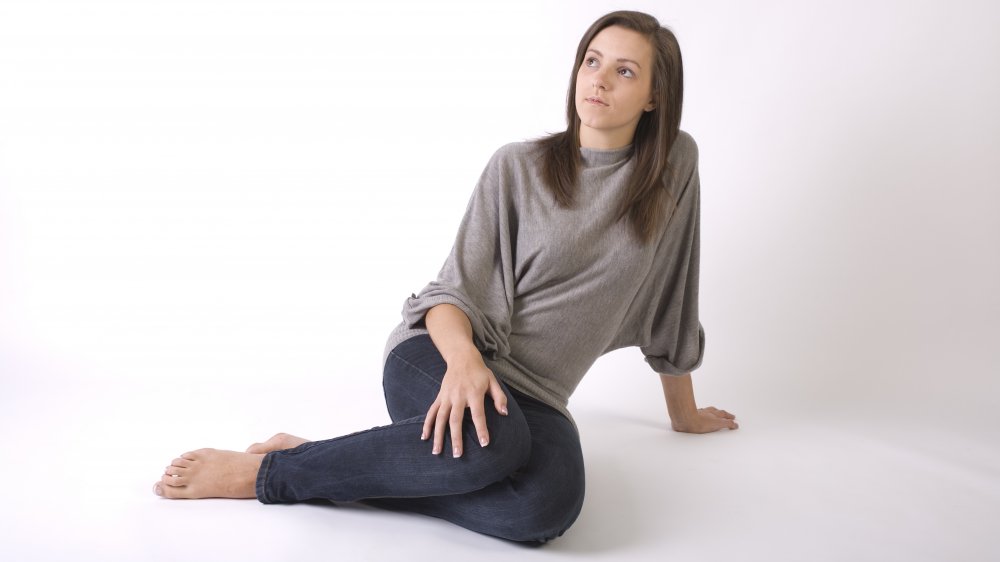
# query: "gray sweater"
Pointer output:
{"type": "Point", "coordinates": [548, 290]}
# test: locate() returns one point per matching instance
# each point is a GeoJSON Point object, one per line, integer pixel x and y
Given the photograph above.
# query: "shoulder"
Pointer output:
{"type": "Point", "coordinates": [681, 175]}
{"type": "Point", "coordinates": [513, 164]}
{"type": "Point", "coordinates": [682, 162]}
{"type": "Point", "coordinates": [684, 152]}
{"type": "Point", "coordinates": [507, 169]}
{"type": "Point", "coordinates": [519, 152]}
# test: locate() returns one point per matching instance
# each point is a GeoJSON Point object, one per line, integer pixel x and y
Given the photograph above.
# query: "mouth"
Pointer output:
{"type": "Point", "coordinates": [595, 101]}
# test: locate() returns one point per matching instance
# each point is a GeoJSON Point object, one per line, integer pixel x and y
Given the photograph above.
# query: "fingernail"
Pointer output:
{"type": "Point", "coordinates": [456, 452]}
{"type": "Point", "coordinates": [435, 451]}
{"type": "Point", "coordinates": [484, 442]}
{"type": "Point", "coordinates": [157, 490]}
{"type": "Point", "coordinates": [423, 437]}
{"type": "Point", "coordinates": [503, 410]}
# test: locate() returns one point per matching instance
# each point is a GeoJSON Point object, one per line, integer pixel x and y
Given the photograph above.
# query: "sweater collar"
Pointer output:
{"type": "Point", "coordinates": [591, 157]}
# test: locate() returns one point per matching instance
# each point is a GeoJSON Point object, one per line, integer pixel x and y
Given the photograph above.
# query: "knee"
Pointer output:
{"type": "Point", "coordinates": [508, 450]}
{"type": "Point", "coordinates": [551, 511]}
{"type": "Point", "coordinates": [411, 377]}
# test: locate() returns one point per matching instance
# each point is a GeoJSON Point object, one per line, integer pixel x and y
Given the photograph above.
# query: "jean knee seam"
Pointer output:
{"type": "Point", "coordinates": [415, 367]}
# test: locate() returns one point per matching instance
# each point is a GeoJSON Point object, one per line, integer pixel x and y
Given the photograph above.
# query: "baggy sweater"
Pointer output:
{"type": "Point", "coordinates": [549, 289]}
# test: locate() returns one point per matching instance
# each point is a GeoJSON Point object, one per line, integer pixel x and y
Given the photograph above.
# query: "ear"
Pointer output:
{"type": "Point", "coordinates": [651, 105]}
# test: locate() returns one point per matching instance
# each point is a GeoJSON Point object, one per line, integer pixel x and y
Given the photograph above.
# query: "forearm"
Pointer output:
{"type": "Point", "coordinates": [451, 332]}
{"type": "Point", "coordinates": [679, 394]}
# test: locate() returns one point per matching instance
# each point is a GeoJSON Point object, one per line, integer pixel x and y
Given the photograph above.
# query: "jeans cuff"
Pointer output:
{"type": "Point", "coordinates": [261, 485]}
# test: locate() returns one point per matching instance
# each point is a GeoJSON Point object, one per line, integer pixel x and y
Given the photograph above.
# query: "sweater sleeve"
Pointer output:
{"type": "Point", "coordinates": [677, 338]}
{"type": "Point", "coordinates": [477, 276]}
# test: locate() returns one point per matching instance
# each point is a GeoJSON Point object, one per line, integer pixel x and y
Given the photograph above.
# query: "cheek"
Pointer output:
{"type": "Point", "coordinates": [641, 96]}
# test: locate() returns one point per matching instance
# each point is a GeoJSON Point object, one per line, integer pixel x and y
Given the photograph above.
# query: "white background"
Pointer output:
{"type": "Point", "coordinates": [212, 211]}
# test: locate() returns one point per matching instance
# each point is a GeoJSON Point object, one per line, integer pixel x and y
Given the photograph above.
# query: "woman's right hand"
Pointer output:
{"type": "Point", "coordinates": [466, 383]}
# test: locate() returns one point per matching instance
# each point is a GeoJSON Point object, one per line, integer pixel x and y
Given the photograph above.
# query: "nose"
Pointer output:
{"type": "Point", "coordinates": [600, 80]}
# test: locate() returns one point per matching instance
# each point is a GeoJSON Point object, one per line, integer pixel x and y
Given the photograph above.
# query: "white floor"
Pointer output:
{"type": "Point", "coordinates": [81, 458]}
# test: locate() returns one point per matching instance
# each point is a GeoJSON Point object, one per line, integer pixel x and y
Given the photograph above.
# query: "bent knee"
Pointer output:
{"type": "Point", "coordinates": [509, 448]}
{"type": "Point", "coordinates": [549, 515]}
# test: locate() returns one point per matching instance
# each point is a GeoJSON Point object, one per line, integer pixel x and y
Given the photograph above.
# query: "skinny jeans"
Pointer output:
{"type": "Point", "coordinates": [526, 485]}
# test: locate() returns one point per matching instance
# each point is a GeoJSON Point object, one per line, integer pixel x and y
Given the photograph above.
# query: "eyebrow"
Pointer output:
{"type": "Point", "coordinates": [600, 54]}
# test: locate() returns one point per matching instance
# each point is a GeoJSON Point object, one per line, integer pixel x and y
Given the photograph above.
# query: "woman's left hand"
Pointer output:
{"type": "Point", "coordinates": [705, 420]}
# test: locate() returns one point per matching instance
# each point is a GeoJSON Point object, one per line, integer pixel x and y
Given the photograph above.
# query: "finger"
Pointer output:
{"type": "Point", "coordinates": [425, 432]}
{"type": "Point", "coordinates": [725, 424]}
{"type": "Point", "coordinates": [479, 420]}
{"type": "Point", "coordinates": [439, 427]}
{"type": "Point", "coordinates": [455, 422]}
{"type": "Point", "coordinates": [499, 398]}
{"type": "Point", "coordinates": [719, 413]}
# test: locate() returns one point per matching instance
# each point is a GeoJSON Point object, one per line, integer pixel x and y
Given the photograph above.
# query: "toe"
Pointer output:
{"type": "Point", "coordinates": [180, 462]}
{"type": "Point", "coordinates": [176, 471]}
{"type": "Point", "coordinates": [196, 455]}
{"type": "Point", "coordinates": [169, 492]}
{"type": "Point", "coordinates": [173, 480]}
{"type": "Point", "coordinates": [174, 492]}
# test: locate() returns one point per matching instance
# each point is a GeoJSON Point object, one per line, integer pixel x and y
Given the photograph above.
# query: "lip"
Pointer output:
{"type": "Point", "coordinates": [595, 101]}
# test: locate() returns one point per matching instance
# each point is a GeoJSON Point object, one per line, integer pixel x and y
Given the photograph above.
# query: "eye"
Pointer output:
{"type": "Point", "coordinates": [626, 72]}
{"type": "Point", "coordinates": [587, 61]}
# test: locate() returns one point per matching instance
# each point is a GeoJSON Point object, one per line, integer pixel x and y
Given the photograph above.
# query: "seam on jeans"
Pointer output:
{"type": "Point", "coordinates": [302, 448]}
{"type": "Point", "coordinates": [263, 479]}
{"type": "Point", "coordinates": [415, 367]}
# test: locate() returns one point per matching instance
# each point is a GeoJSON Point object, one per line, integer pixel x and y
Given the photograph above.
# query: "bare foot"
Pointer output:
{"type": "Point", "coordinates": [279, 442]}
{"type": "Point", "coordinates": [210, 473]}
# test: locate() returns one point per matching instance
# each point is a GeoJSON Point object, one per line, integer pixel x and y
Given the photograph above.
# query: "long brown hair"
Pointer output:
{"type": "Point", "coordinates": [643, 199]}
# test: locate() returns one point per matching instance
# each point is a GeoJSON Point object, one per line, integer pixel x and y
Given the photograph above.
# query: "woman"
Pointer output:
{"type": "Point", "coordinates": [572, 245]}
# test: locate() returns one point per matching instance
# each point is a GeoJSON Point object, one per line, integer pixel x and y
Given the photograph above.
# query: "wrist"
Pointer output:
{"type": "Point", "coordinates": [462, 354]}
{"type": "Point", "coordinates": [679, 395]}
{"type": "Point", "coordinates": [682, 415]}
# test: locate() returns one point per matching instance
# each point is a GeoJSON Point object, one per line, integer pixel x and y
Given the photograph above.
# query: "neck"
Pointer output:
{"type": "Point", "coordinates": [605, 140]}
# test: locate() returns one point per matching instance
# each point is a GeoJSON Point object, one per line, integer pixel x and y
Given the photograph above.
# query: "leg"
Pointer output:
{"type": "Point", "coordinates": [536, 503]}
{"type": "Point", "coordinates": [408, 391]}
{"type": "Point", "coordinates": [532, 499]}
{"type": "Point", "coordinates": [384, 461]}
{"type": "Point", "coordinates": [392, 461]}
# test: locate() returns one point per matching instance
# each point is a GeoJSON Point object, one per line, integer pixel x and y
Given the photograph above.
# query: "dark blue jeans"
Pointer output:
{"type": "Point", "coordinates": [526, 485]}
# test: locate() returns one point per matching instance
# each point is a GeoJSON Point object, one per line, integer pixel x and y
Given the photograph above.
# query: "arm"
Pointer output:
{"type": "Point", "coordinates": [685, 416]}
{"type": "Point", "coordinates": [467, 311]}
{"type": "Point", "coordinates": [466, 381]}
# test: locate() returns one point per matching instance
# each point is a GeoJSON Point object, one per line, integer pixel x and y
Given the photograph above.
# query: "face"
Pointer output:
{"type": "Point", "coordinates": [614, 87]}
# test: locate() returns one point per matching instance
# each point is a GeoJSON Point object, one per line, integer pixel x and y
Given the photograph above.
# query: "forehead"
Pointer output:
{"type": "Point", "coordinates": [616, 42]}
